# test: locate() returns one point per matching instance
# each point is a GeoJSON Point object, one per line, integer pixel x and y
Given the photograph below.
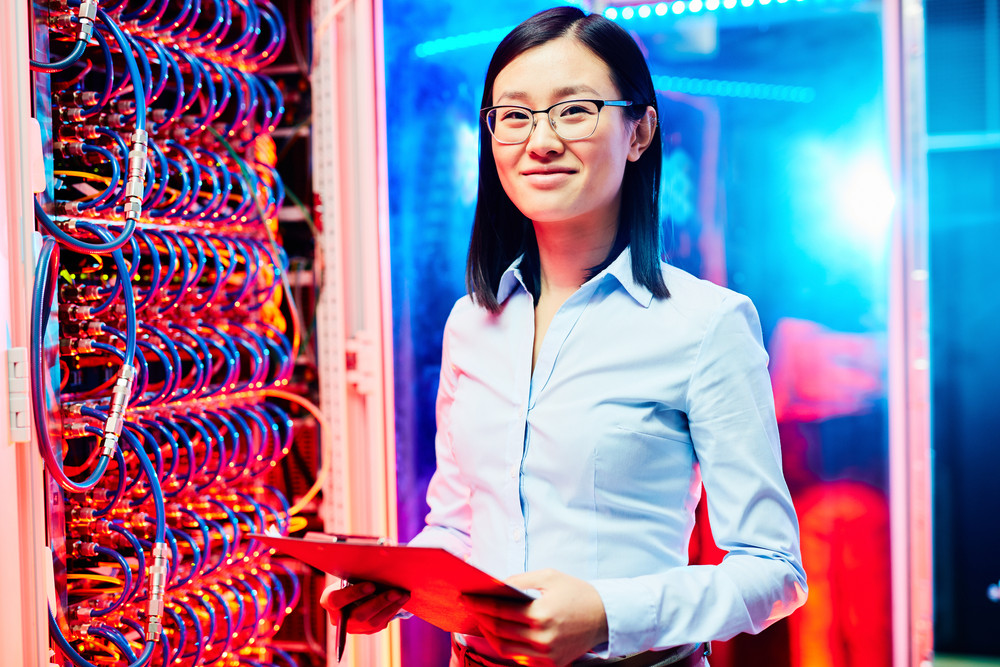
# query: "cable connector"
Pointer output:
{"type": "Point", "coordinates": [69, 292]}
{"type": "Point", "coordinates": [120, 395]}
{"type": "Point", "coordinates": [103, 527]}
{"type": "Point", "coordinates": [84, 328]}
{"type": "Point", "coordinates": [88, 12]}
{"type": "Point", "coordinates": [82, 514]}
{"type": "Point", "coordinates": [71, 346]}
{"type": "Point", "coordinates": [138, 520]}
{"type": "Point", "coordinates": [84, 549]}
{"type": "Point", "coordinates": [113, 120]}
{"type": "Point", "coordinates": [74, 430]}
{"type": "Point", "coordinates": [80, 620]}
{"type": "Point", "coordinates": [74, 312]}
{"type": "Point", "coordinates": [157, 588]}
{"type": "Point", "coordinates": [71, 114]}
{"type": "Point", "coordinates": [72, 410]}
{"type": "Point", "coordinates": [135, 184]}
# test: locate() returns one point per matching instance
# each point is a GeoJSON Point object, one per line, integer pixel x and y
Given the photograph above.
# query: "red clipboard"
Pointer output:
{"type": "Point", "coordinates": [435, 578]}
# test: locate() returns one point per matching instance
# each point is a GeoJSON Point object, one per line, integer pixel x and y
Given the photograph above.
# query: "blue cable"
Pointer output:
{"type": "Point", "coordinates": [119, 487]}
{"type": "Point", "coordinates": [225, 547]}
{"type": "Point", "coordinates": [206, 440]}
{"type": "Point", "coordinates": [139, 554]}
{"type": "Point", "coordinates": [130, 64]}
{"type": "Point", "coordinates": [195, 553]}
{"type": "Point", "coordinates": [76, 244]}
{"type": "Point", "coordinates": [59, 65]}
{"type": "Point", "coordinates": [247, 450]}
{"type": "Point", "coordinates": [67, 649]}
{"type": "Point", "coordinates": [126, 572]}
{"type": "Point", "coordinates": [241, 608]}
{"type": "Point", "coordinates": [109, 77]}
{"type": "Point", "coordinates": [154, 483]}
{"type": "Point", "coordinates": [41, 306]}
{"type": "Point", "coordinates": [199, 635]}
{"type": "Point", "coordinates": [181, 632]}
{"type": "Point", "coordinates": [115, 638]}
{"type": "Point", "coordinates": [227, 617]}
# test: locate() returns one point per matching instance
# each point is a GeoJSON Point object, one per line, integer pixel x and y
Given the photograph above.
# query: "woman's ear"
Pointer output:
{"type": "Point", "coordinates": [642, 134]}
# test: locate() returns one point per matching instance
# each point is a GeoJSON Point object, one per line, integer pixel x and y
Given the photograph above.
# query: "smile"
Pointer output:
{"type": "Point", "coordinates": [547, 178]}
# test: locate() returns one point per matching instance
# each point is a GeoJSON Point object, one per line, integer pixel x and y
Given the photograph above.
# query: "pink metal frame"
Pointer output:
{"type": "Point", "coordinates": [24, 577]}
{"type": "Point", "coordinates": [909, 383]}
{"type": "Point", "coordinates": [354, 318]}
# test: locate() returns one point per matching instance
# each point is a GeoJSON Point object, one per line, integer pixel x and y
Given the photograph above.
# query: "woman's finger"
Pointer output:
{"type": "Point", "coordinates": [512, 649]}
{"type": "Point", "coordinates": [374, 613]}
{"type": "Point", "coordinates": [394, 602]}
{"type": "Point", "coordinates": [512, 610]}
{"type": "Point", "coordinates": [334, 597]}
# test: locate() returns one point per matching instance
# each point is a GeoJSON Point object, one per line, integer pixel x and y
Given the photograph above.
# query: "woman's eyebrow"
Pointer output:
{"type": "Point", "coordinates": [565, 91]}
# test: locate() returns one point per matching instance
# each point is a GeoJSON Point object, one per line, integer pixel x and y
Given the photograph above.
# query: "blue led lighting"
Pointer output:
{"type": "Point", "coordinates": [436, 46]}
{"type": "Point", "coordinates": [741, 89]}
{"type": "Point", "coordinates": [626, 13]}
{"type": "Point", "coordinates": [631, 11]}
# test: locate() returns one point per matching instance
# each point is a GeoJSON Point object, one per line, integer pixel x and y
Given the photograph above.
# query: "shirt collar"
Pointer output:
{"type": "Point", "coordinates": [510, 279]}
{"type": "Point", "coordinates": [620, 269]}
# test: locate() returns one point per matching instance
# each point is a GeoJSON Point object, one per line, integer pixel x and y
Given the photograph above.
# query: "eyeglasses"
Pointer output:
{"type": "Point", "coordinates": [571, 120]}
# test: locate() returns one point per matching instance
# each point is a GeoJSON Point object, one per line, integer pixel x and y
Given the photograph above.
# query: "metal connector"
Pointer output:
{"type": "Point", "coordinates": [120, 395]}
{"type": "Point", "coordinates": [88, 12]}
{"type": "Point", "coordinates": [70, 346]}
{"type": "Point", "coordinates": [135, 183]}
{"type": "Point", "coordinates": [157, 588]}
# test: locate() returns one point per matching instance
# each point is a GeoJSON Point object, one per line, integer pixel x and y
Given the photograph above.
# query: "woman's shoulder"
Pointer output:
{"type": "Point", "coordinates": [691, 292]}
{"type": "Point", "coordinates": [467, 316]}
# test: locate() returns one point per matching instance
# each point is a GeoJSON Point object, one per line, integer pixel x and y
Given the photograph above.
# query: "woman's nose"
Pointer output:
{"type": "Point", "coordinates": [543, 138]}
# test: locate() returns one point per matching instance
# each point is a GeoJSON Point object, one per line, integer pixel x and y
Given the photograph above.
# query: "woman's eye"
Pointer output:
{"type": "Point", "coordinates": [577, 112]}
{"type": "Point", "coordinates": [514, 115]}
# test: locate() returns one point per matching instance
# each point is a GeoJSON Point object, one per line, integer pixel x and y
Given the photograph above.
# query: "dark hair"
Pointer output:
{"type": "Point", "coordinates": [500, 232]}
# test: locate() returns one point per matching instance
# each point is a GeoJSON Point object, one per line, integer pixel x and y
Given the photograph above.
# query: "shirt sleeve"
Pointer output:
{"type": "Point", "coordinates": [448, 523]}
{"type": "Point", "coordinates": [730, 411]}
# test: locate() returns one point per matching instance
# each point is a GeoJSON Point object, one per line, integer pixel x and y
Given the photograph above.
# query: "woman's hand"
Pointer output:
{"type": "Point", "coordinates": [551, 631]}
{"type": "Point", "coordinates": [370, 612]}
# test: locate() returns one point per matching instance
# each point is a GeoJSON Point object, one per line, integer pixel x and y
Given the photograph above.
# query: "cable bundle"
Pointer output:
{"type": "Point", "coordinates": [176, 325]}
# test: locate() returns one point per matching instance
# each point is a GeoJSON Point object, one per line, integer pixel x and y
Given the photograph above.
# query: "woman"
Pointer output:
{"type": "Point", "coordinates": [587, 389]}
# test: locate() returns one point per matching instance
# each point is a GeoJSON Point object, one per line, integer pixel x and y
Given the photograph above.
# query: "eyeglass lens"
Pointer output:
{"type": "Point", "coordinates": [576, 119]}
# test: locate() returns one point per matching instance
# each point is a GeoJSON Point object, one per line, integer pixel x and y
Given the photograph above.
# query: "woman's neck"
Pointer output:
{"type": "Point", "coordinates": [566, 253]}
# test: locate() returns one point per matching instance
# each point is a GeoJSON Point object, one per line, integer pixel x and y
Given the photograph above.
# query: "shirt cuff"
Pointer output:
{"type": "Point", "coordinates": [631, 610]}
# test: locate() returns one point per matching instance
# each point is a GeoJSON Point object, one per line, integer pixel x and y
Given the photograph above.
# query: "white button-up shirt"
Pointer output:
{"type": "Point", "coordinates": [593, 463]}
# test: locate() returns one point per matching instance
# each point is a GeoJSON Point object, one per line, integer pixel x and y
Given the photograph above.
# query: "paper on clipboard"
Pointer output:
{"type": "Point", "coordinates": [435, 578]}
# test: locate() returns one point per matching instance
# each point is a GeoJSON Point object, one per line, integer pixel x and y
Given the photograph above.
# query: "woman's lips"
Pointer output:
{"type": "Point", "coordinates": [544, 178]}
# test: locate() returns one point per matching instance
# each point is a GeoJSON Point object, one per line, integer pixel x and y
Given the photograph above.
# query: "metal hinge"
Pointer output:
{"type": "Point", "coordinates": [17, 383]}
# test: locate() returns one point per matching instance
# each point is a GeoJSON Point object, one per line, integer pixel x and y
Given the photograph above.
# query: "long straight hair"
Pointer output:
{"type": "Point", "coordinates": [500, 232]}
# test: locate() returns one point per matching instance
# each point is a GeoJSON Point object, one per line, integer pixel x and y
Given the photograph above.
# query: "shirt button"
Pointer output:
{"type": "Point", "coordinates": [516, 534]}
{"type": "Point", "coordinates": [513, 472]}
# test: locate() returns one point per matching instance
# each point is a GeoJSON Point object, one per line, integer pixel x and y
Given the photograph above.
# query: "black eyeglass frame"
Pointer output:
{"type": "Point", "coordinates": [485, 111]}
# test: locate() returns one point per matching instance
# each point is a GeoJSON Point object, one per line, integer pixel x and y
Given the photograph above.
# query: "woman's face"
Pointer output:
{"type": "Point", "coordinates": [552, 180]}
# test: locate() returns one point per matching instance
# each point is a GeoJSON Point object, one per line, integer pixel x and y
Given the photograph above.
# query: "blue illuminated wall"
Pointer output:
{"type": "Point", "coordinates": [963, 165]}
{"type": "Point", "coordinates": [774, 184]}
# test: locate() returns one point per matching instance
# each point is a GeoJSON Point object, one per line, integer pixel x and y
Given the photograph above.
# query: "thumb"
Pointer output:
{"type": "Point", "coordinates": [538, 579]}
